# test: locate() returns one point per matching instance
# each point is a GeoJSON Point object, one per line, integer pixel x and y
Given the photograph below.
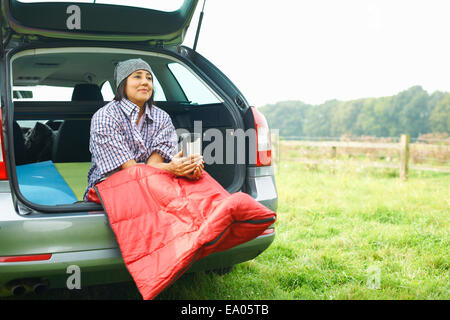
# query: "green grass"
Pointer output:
{"type": "Point", "coordinates": [341, 234]}
{"type": "Point", "coordinates": [346, 234]}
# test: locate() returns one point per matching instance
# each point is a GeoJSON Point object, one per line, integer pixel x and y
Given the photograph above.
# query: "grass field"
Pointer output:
{"type": "Point", "coordinates": [341, 234]}
{"type": "Point", "coordinates": [345, 234]}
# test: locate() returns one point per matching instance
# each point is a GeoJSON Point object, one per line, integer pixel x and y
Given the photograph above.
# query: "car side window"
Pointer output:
{"type": "Point", "coordinates": [107, 91]}
{"type": "Point", "coordinates": [194, 89]}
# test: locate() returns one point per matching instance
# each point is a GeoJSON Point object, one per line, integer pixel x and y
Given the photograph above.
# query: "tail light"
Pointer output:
{"type": "Point", "coordinates": [35, 257]}
{"type": "Point", "coordinates": [3, 172]}
{"type": "Point", "coordinates": [263, 142]}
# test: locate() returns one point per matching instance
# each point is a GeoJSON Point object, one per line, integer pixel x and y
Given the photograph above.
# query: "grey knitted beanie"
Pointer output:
{"type": "Point", "coordinates": [127, 67]}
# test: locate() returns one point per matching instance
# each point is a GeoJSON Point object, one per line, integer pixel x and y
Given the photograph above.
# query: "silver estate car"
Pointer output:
{"type": "Point", "coordinates": [56, 70]}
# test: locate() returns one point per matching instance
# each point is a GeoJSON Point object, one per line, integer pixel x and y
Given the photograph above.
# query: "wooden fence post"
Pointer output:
{"type": "Point", "coordinates": [333, 152]}
{"type": "Point", "coordinates": [404, 156]}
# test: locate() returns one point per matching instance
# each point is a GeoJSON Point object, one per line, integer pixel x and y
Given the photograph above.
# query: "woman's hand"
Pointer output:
{"type": "Point", "coordinates": [197, 173]}
{"type": "Point", "coordinates": [190, 167]}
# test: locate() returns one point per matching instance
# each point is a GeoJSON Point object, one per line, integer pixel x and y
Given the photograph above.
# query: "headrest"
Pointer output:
{"type": "Point", "coordinates": [87, 92]}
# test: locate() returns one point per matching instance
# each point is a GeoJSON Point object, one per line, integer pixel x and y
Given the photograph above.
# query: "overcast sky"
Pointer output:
{"type": "Point", "coordinates": [316, 50]}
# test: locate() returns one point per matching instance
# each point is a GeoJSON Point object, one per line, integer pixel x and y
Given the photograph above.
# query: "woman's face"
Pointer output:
{"type": "Point", "coordinates": [139, 87]}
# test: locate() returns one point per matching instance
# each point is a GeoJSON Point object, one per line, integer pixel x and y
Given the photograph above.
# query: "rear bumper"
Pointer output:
{"type": "Point", "coordinates": [107, 266]}
{"type": "Point", "coordinates": [95, 267]}
{"type": "Point", "coordinates": [260, 184]}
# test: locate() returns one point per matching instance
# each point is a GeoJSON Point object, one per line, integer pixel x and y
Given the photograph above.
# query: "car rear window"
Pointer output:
{"type": "Point", "coordinates": [42, 93]}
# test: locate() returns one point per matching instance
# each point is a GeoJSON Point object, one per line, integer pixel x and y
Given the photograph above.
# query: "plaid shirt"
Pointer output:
{"type": "Point", "coordinates": [116, 139]}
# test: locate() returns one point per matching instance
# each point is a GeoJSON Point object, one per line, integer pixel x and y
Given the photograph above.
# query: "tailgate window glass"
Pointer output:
{"type": "Point", "coordinates": [160, 5]}
{"type": "Point", "coordinates": [194, 89]}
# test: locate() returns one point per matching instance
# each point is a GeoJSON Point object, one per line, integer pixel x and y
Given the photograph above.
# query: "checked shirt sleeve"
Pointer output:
{"type": "Point", "coordinates": [165, 140]}
{"type": "Point", "coordinates": [107, 145]}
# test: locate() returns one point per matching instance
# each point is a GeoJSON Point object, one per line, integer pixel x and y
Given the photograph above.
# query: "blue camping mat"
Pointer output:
{"type": "Point", "coordinates": [41, 183]}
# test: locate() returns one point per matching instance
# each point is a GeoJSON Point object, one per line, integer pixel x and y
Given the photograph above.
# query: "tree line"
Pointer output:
{"type": "Point", "coordinates": [413, 111]}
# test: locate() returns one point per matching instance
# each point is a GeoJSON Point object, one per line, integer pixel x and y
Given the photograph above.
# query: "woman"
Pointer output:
{"type": "Point", "coordinates": [131, 130]}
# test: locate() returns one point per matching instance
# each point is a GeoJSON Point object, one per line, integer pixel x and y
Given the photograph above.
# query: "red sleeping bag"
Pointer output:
{"type": "Point", "coordinates": [164, 223]}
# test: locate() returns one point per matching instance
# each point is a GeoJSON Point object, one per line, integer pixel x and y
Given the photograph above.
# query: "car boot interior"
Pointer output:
{"type": "Point", "coordinates": [61, 125]}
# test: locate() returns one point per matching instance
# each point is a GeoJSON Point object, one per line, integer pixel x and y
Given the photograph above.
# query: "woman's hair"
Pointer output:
{"type": "Point", "coordinates": [121, 93]}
